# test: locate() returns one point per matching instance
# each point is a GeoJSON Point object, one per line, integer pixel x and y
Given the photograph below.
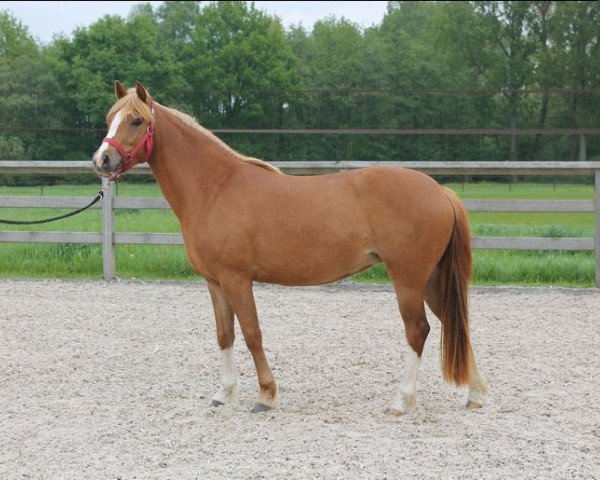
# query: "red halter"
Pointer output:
{"type": "Point", "coordinates": [147, 141]}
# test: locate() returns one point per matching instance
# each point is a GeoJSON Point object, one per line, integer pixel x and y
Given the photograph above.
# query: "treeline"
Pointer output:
{"type": "Point", "coordinates": [427, 65]}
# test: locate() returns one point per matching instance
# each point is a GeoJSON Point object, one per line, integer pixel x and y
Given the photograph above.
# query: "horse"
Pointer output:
{"type": "Point", "coordinates": [244, 221]}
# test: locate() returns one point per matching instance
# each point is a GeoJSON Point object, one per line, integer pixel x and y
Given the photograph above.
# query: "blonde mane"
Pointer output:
{"type": "Point", "coordinates": [131, 104]}
{"type": "Point", "coordinates": [192, 122]}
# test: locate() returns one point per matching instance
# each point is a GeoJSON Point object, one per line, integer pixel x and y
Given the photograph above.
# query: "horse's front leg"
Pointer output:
{"type": "Point", "coordinates": [229, 391]}
{"type": "Point", "coordinates": [239, 293]}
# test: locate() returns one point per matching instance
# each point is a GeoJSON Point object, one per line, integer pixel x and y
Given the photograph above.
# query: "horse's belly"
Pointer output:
{"type": "Point", "coordinates": [313, 267]}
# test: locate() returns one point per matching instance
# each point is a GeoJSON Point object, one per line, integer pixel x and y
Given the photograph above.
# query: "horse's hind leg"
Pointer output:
{"type": "Point", "coordinates": [416, 328]}
{"type": "Point", "coordinates": [229, 391]}
{"type": "Point", "coordinates": [477, 383]}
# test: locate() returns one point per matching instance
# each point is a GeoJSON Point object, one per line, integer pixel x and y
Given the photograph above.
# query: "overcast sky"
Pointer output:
{"type": "Point", "coordinates": [45, 19]}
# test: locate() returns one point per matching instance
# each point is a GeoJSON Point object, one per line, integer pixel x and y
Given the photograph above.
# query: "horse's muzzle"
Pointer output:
{"type": "Point", "coordinates": [106, 164]}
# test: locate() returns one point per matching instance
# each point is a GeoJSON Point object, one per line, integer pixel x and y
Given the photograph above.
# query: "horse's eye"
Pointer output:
{"type": "Point", "coordinates": [137, 122]}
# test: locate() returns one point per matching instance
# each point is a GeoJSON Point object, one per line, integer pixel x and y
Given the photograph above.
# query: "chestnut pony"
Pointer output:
{"type": "Point", "coordinates": [244, 221]}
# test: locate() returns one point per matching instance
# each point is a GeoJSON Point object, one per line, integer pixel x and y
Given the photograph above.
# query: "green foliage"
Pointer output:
{"type": "Point", "coordinates": [112, 48]}
{"type": "Point", "coordinates": [11, 148]}
{"type": "Point", "coordinates": [24, 70]}
{"type": "Point", "coordinates": [15, 40]}
{"type": "Point", "coordinates": [234, 66]}
{"type": "Point", "coordinates": [244, 73]}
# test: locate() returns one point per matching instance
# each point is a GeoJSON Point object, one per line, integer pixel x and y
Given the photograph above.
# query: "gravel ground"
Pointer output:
{"type": "Point", "coordinates": [114, 380]}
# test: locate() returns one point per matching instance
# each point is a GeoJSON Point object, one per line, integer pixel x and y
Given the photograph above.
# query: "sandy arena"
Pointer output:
{"type": "Point", "coordinates": [114, 380]}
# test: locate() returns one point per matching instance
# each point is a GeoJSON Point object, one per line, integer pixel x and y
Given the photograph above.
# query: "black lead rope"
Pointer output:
{"type": "Point", "coordinates": [98, 197]}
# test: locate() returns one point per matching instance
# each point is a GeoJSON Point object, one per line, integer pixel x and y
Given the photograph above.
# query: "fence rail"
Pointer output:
{"type": "Point", "coordinates": [109, 238]}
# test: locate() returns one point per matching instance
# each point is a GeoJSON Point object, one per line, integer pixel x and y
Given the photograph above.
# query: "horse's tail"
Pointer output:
{"type": "Point", "coordinates": [455, 270]}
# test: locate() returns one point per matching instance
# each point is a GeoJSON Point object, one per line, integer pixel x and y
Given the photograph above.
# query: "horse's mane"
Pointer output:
{"type": "Point", "coordinates": [131, 104]}
{"type": "Point", "coordinates": [192, 122]}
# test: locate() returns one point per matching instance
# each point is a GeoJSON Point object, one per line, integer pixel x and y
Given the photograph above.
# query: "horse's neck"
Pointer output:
{"type": "Point", "coordinates": [189, 166]}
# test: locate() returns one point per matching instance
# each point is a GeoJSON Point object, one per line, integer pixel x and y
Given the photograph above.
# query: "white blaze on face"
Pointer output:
{"type": "Point", "coordinates": [112, 131]}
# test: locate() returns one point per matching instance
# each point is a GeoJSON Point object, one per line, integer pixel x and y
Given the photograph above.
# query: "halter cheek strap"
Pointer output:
{"type": "Point", "coordinates": [147, 141]}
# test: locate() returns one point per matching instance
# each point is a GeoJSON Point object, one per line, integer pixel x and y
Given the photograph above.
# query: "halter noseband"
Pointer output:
{"type": "Point", "coordinates": [147, 141]}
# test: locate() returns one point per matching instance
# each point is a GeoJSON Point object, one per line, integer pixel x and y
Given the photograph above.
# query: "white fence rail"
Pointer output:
{"type": "Point", "coordinates": [109, 238]}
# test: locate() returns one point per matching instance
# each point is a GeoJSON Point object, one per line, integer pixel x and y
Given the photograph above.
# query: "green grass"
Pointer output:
{"type": "Point", "coordinates": [85, 261]}
{"type": "Point", "coordinates": [492, 267]}
{"type": "Point", "coordinates": [534, 268]}
{"type": "Point", "coordinates": [522, 191]}
{"type": "Point", "coordinates": [558, 225]}
{"type": "Point", "coordinates": [523, 268]}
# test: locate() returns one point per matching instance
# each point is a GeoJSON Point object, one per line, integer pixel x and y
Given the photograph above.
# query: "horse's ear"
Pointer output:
{"type": "Point", "coordinates": [120, 90]}
{"type": "Point", "coordinates": [141, 91]}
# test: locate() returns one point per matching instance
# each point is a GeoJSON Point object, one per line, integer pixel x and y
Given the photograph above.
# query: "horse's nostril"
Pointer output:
{"type": "Point", "coordinates": [105, 160]}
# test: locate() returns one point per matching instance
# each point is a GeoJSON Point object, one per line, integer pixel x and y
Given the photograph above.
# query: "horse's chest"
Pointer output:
{"type": "Point", "coordinates": [210, 254]}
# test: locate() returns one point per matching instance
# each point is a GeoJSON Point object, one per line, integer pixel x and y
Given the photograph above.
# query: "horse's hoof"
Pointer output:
{"type": "Point", "coordinates": [259, 407]}
{"type": "Point", "coordinates": [216, 403]}
{"type": "Point", "coordinates": [392, 412]}
{"type": "Point", "coordinates": [401, 406]}
{"type": "Point", "coordinates": [473, 405]}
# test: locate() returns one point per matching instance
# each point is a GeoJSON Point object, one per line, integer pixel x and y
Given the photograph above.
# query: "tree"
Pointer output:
{"type": "Point", "coordinates": [336, 62]}
{"type": "Point", "coordinates": [15, 40]}
{"type": "Point", "coordinates": [543, 71]}
{"type": "Point", "coordinates": [506, 25]}
{"type": "Point", "coordinates": [110, 49]}
{"type": "Point", "coordinates": [25, 78]}
{"type": "Point", "coordinates": [234, 66]}
{"type": "Point", "coordinates": [413, 58]}
{"type": "Point", "coordinates": [574, 31]}
{"type": "Point", "coordinates": [463, 45]}
{"type": "Point", "coordinates": [243, 69]}
{"type": "Point", "coordinates": [176, 23]}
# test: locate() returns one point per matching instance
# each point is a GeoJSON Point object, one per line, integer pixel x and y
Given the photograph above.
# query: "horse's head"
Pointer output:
{"type": "Point", "coordinates": [129, 140]}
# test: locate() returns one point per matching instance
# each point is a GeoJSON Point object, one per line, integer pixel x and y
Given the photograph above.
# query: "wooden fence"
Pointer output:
{"type": "Point", "coordinates": [109, 238]}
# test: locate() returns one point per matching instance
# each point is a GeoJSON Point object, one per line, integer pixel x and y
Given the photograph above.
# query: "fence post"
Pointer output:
{"type": "Point", "coordinates": [597, 235]}
{"type": "Point", "coordinates": [108, 247]}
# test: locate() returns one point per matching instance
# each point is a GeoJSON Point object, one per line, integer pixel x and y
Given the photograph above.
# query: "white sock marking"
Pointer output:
{"type": "Point", "coordinates": [229, 390]}
{"type": "Point", "coordinates": [406, 398]}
